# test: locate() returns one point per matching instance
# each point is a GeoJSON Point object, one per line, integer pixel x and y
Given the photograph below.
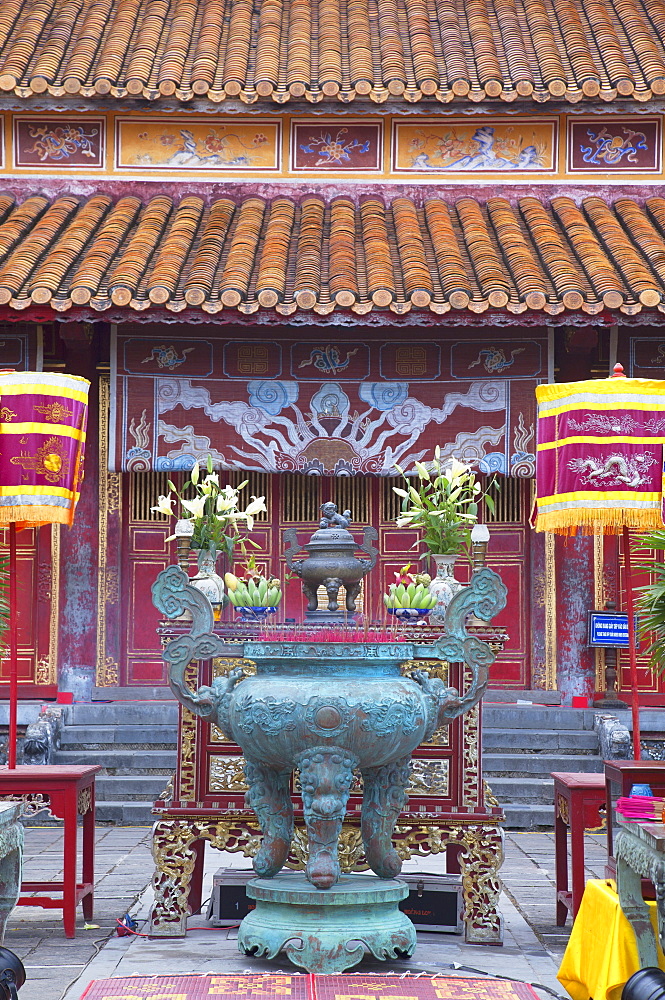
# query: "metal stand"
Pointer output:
{"type": "Point", "coordinates": [327, 932]}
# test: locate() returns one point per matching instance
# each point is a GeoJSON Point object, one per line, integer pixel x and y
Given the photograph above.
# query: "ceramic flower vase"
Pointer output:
{"type": "Point", "coordinates": [444, 586]}
{"type": "Point", "coordinates": [208, 580]}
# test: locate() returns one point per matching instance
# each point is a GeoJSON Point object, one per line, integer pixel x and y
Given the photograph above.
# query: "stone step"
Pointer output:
{"type": "Point", "coordinates": [513, 695]}
{"type": "Point", "coordinates": [532, 765]}
{"type": "Point", "coordinates": [132, 694]}
{"type": "Point", "coordinates": [529, 817]}
{"type": "Point", "coordinates": [572, 741]}
{"type": "Point", "coordinates": [120, 761]}
{"type": "Point", "coordinates": [108, 735]}
{"type": "Point", "coordinates": [541, 717]}
{"type": "Point", "coordinates": [535, 791]}
{"type": "Point", "coordinates": [130, 787]}
{"type": "Point", "coordinates": [131, 713]}
{"type": "Point", "coordinates": [124, 813]}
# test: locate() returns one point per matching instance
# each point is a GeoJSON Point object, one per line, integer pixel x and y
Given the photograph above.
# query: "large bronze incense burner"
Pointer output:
{"type": "Point", "coordinates": [330, 711]}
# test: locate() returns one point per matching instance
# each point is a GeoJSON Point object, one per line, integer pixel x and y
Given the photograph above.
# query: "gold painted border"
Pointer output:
{"type": "Point", "coordinates": [110, 493]}
{"type": "Point", "coordinates": [550, 612]}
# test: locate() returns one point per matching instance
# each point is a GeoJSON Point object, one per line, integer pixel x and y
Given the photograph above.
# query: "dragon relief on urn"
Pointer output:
{"type": "Point", "coordinates": [331, 562]}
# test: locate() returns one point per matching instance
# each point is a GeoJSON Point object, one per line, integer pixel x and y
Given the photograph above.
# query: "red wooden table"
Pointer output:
{"type": "Point", "coordinates": [70, 792]}
{"type": "Point", "coordinates": [620, 776]}
{"type": "Point", "coordinates": [577, 800]}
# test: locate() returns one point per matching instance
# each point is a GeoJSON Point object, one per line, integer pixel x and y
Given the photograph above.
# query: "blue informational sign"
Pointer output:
{"type": "Point", "coordinates": [606, 628]}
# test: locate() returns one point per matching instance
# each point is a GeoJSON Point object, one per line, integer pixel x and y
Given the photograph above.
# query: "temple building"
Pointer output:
{"type": "Point", "coordinates": [315, 240]}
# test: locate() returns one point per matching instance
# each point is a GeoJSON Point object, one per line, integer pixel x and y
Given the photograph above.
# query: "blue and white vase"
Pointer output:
{"type": "Point", "coordinates": [444, 586]}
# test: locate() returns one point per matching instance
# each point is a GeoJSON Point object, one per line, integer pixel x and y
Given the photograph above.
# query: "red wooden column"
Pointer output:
{"type": "Point", "coordinates": [77, 642]}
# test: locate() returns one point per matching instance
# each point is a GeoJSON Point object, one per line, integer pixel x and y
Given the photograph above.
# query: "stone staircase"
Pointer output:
{"type": "Point", "coordinates": [135, 743]}
{"type": "Point", "coordinates": [523, 744]}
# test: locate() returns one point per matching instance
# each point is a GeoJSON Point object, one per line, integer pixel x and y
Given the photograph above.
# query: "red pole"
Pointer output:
{"type": "Point", "coordinates": [13, 647]}
{"type": "Point", "coordinates": [632, 645]}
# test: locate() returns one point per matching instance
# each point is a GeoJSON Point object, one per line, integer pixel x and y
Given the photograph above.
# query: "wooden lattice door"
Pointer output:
{"type": "Point", "coordinates": [294, 501]}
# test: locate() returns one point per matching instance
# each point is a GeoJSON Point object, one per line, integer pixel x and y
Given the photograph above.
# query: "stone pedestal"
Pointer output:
{"type": "Point", "coordinates": [327, 931]}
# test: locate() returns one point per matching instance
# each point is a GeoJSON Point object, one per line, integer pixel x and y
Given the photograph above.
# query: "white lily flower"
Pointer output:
{"type": "Point", "coordinates": [226, 504]}
{"type": "Point", "coordinates": [194, 475]}
{"type": "Point", "coordinates": [423, 473]}
{"type": "Point", "coordinates": [196, 507]}
{"type": "Point", "coordinates": [257, 506]}
{"type": "Point", "coordinates": [164, 505]}
{"type": "Point", "coordinates": [456, 470]}
{"type": "Point", "coordinates": [211, 479]}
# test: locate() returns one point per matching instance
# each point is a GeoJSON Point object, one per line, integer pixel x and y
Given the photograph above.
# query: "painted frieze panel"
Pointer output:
{"type": "Point", "coordinates": [630, 145]}
{"type": "Point", "coordinates": [59, 142]}
{"type": "Point", "coordinates": [342, 406]}
{"type": "Point", "coordinates": [180, 143]}
{"type": "Point", "coordinates": [336, 146]}
{"type": "Point", "coordinates": [459, 146]}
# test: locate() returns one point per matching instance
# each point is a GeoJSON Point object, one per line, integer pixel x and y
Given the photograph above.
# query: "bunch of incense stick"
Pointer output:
{"type": "Point", "coordinates": [642, 808]}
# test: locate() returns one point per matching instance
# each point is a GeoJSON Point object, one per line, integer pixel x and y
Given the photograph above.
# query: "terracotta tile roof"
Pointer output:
{"type": "Point", "coordinates": [316, 49]}
{"type": "Point", "coordinates": [363, 254]}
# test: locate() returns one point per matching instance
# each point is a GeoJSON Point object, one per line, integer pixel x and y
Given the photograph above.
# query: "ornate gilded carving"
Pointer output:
{"type": "Point", "coordinates": [107, 673]}
{"type": "Point", "coordinates": [480, 859]}
{"type": "Point", "coordinates": [223, 665]}
{"type": "Point", "coordinates": [84, 801]}
{"type": "Point", "coordinates": [44, 673]}
{"type": "Point", "coordinates": [470, 743]}
{"type": "Point", "coordinates": [187, 770]}
{"type": "Point", "coordinates": [433, 668]}
{"type": "Point", "coordinates": [429, 777]}
{"type": "Point", "coordinates": [174, 856]}
{"type": "Point", "coordinates": [490, 797]}
{"type": "Point", "coordinates": [562, 809]}
{"type": "Point", "coordinates": [33, 803]}
{"type": "Point", "coordinates": [227, 774]}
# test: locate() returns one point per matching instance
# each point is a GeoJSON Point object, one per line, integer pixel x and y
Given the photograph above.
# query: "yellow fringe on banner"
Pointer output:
{"type": "Point", "coordinates": [599, 521]}
{"type": "Point", "coordinates": [34, 517]}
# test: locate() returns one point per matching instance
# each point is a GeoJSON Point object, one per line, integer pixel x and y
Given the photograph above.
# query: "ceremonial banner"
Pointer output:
{"type": "Point", "coordinates": [600, 455]}
{"type": "Point", "coordinates": [42, 438]}
{"type": "Point", "coordinates": [345, 405]}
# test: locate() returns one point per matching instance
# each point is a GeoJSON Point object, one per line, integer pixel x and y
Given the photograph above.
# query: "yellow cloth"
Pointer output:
{"type": "Point", "coordinates": [602, 951]}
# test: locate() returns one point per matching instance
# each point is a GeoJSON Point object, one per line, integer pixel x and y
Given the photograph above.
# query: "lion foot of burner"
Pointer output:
{"type": "Point", "coordinates": [327, 932]}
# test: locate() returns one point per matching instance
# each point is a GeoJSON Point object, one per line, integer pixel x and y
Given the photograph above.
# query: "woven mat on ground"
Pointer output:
{"type": "Point", "coordinates": [306, 987]}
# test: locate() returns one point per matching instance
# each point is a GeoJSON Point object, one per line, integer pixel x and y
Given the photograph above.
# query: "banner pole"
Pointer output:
{"type": "Point", "coordinates": [13, 649]}
{"type": "Point", "coordinates": [632, 645]}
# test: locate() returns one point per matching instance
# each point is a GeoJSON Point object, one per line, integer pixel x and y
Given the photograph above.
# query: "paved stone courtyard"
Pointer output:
{"type": "Point", "coordinates": [58, 968]}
